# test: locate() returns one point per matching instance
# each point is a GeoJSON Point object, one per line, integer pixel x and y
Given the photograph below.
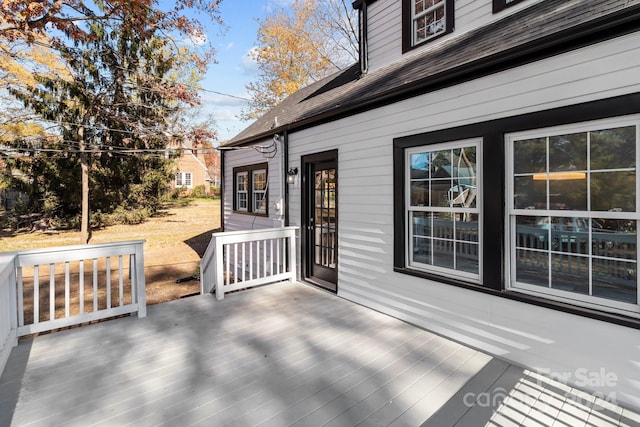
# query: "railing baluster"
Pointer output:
{"type": "Point", "coordinates": [67, 290]}
{"type": "Point", "coordinates": [81, 284]}
{"type": "Point", "coordinates": [95, 285]}
{"type": "Point", "coordinates": [250, 260]}
{"type": "Point", "coordinates": [271, 256]}
{"type": "Point", "coordinates": [120, 283]}
{"type": "Point", "coordinates": [278, 269]}
{"type": "Point", "coordinates": [235, 263]}
{"type": "Point", "coordinates": [20, 298]}
{"type": "Point", "coordinates": [36, 294]}
{"type": "Point", "coordinates": [244, 261]}
{"type": "Point", "coordinates": [108, 279]}
{"type": "Point", "coordinates": [52, 291]}
{"type": "Point", "coordinates": [264, 258]}
{"type": "Point", "coordinates": [226, 253]}
{"type": "Point", "coordinates": [132, 276]}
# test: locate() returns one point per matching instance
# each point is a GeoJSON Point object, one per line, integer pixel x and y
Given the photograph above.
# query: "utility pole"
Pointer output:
{"type": "Point", "coordinates": [84, 165]}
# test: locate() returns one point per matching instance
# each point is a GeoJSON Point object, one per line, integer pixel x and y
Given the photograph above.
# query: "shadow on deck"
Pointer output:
{"type": "Point", "coordinates": [285, 354]}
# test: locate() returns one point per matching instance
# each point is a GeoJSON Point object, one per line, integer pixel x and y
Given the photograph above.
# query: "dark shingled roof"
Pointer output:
{"type": "Point", "coordinates": [541, 30]}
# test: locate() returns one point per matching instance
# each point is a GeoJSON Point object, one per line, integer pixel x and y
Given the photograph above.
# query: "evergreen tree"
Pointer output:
{"type": "Point", "coordinates": [112, 117]}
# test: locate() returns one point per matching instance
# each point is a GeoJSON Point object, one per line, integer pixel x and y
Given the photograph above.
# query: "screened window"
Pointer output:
{"type": "Point", "coordinates": [573, 212]}
{"type": "Point", "coordinates": [183, 179]}
{"type": "Point", "coordinates": [251, 185]}
{"type": "Point", "coordinates": [443, 214]}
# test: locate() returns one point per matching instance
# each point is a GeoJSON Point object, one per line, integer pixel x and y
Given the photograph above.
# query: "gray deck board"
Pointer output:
{"type": "Point", "coordinates": [280, 355]}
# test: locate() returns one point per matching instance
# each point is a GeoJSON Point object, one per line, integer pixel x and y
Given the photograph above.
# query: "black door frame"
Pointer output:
{"type": "Point", "coordinates": [307, 163]}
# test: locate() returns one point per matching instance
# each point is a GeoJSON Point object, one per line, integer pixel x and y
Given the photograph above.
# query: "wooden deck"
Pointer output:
{"type": "Point", "coordinates": [280, 355]}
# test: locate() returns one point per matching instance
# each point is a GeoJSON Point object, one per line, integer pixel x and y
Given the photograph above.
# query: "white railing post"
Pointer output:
{"type": "Point", "coordinates": [293, 267]}
{"type": "Point", "coordinates": [141, 290]}
{"type": "Point", "coordinates": [218, 267]}
{"type": "Point", "coordinates": [8, 308]}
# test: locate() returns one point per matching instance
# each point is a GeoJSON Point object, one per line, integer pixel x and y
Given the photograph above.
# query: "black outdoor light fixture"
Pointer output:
{"type": "Point", "coordinates": [292, 174]}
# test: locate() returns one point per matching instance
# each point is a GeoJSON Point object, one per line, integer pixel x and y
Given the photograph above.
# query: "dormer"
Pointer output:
{"type": "Point", "coordinates": [391, 30]}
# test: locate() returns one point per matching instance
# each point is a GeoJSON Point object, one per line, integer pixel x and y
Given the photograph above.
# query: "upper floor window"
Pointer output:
{"type": "Point", "coordinates": [183, 179]}
{"type": "Point", "coordinates": [424, 20]}
{"type": "Point", "coordinates": [250, 189]}
{"type": "Point", "coordinates": [498, 5]}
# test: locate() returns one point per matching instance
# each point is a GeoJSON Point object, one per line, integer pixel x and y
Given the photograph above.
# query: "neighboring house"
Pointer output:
{"type": "Point", "coordinates": [443, 179]}
{"type": "Point", "coordinates": [191, 169]}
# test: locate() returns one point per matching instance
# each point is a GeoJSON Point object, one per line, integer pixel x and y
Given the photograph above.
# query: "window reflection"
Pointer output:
{"type": "Point", "coordinates": [443, 212]}
{"type": "Point", "coordinates": [592, 249]}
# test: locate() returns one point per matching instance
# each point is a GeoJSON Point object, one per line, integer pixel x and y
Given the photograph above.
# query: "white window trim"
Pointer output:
{"type": "Point", "coordinates": [477, 142]}
{"type": "Point", "coordinates": [263, 192]}
{"type": "Point", "coordinates": [181, 181]}
{"type": "Point", "coordinates": [414, 17]}
{"type": "Point", "coordinates": [245, 191]}
{"type": "Point", "coordinates": [588, 301]}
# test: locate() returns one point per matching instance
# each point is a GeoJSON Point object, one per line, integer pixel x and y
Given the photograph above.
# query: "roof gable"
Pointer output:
{"type": "Point", "coordinates": [542, 30]}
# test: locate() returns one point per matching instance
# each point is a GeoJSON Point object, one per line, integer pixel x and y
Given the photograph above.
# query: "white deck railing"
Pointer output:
{"type": "Point", "coordinates": [242, 259]}
{"type": "Point", "coordinates": [46, 289]}
{"type": "Point", "coordinates": [8, 315]}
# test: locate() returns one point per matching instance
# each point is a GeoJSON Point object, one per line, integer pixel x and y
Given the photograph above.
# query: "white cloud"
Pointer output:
{"type": "Point", "coordinates": [230, 45]}
{"type": "Point", "coordinates": [249, 64]}
{"type": "Point", "coordinates": [225, 114]}
{"type": "Point", "coordinates": [224, 100]}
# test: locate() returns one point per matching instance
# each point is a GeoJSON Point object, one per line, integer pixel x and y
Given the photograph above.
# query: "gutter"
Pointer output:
{"type": "Point", "coordinates": [622, 22]}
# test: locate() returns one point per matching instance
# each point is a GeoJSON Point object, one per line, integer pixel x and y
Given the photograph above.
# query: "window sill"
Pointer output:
{"type": "Point", "coordinates": [618, 319]}
{"type": "Point", "coordinates": [262, 215]}
{"type": "Point", "coordinates": [426, 42]}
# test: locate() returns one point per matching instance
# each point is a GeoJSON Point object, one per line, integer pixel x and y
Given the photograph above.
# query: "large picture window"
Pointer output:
{"type": "Point", "coordinates": [554, 217]}
{"type": "Point", "coordinates": [573, 212]}
{"type": "Point", "coordinates": [251, 189]}
{"type": "Point", "coordinates": [424, 20]}
{"type": "Point", "coordinates": [443, 214]}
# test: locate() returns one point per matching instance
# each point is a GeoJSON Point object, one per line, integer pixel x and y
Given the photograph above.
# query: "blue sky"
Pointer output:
{"type": "Point", "coordinates": [234, 68]}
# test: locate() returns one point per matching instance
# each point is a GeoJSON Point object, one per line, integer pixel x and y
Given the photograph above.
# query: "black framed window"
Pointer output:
{"type": "Point", "coordinates": [573, 212]}
{"type": "Point", "coordinates": [443, 213]}
{"type": "Point", "coordinates": [250, 189]}
{"type": "Point", "coordinates": [499, 5]}
{"type": "Point", "coordinates": [425, 20]}
{"type": "Point", "coordinates": [557, 222]}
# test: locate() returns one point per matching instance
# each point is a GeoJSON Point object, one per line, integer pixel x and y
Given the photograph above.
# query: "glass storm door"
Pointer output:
{"type": "Point", "coordinates": [322, 223]}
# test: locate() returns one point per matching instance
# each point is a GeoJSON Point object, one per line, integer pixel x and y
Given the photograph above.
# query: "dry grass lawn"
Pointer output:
{"type": "Point", "coordinates": [175, 241]}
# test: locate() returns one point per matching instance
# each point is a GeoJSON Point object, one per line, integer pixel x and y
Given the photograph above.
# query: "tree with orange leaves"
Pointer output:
{"type": "Point", "coordinates": [298, 47]}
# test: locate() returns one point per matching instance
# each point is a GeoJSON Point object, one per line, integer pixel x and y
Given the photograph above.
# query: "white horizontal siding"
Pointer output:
{"type": "Point", "coordinates": [234, 221]}
{"type": "Point", "coordinates": [540, 338]}
{"type": "Point", "coordinates": [384, 32]}
{"type": "Point", "coordinates": [385, 27]}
